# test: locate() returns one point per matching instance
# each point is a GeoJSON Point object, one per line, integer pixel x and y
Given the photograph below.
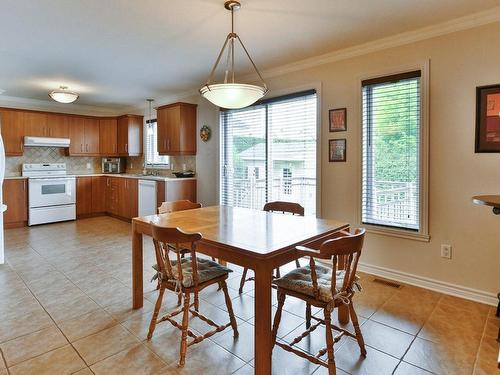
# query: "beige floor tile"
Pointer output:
{"type": "Point", "coordinates": [386, 339]}
{"type": "Point", "coordinates": [85, 371]}
{"type": "Point", "coordinates": [288, 322]}
{"type": "Point", "coordinates": [62, 361]}
{"type": "Point", "coordinates": [166, 344]}
{"type": "Point", "coordinates": [441, 358]}
{"type": "Point", "coordinates": [103, 344]}
{"type": "Point", "coordinates": [71, 308]}
{"type": "Point", "coordinates": [285, 363]}
{"type": "Point", "coordinates": [139, 326]}
{"type": "Point", "coordinates": [24, 324]}
{"type": "Point", "coordinates": [123, 310]}
{"type": "Point", "coordinates": [4, 372]}
{"type": "Point", "coordinates": [405, 312]}
{"type": "Point", "coordinates": [487, 357]}
{"type": "Point", "coordinates": [207, 358]}
{"type": "Point", "coordinates": [492, 327]}
{"type": "Point", "coordinates": [245, 370]}
{"type": "Point", "coordinates": [241, 346]}
{"type": "Point", "coordinates": [132, 361]}
{"type": "Point", "coordinates": [407, 369]}
{"type": "Point", "coordinates": [32, 345]}
{"type": "Point", "coordinates": [86, 324]}
{"type": "Point", "coordinates": [348, 358]}
{"type": "Point", "coordinates": [464, 304]}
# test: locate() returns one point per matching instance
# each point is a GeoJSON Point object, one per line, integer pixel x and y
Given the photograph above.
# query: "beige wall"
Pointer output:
{"type": "Point", "coordinates": [458, 63]}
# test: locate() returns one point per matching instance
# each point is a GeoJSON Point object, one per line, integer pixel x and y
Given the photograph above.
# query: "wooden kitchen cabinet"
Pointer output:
{"type": "Point", "coordinates": [127, 198]}
{"type": "Point", "coordinates": [84, 135]}
{"type": "Point", "coordinates": [57, 126]}
{"type": "Point", "coordinates": [180, 189]}
{"type": "Point", "coordinates": [35, 124]}
{"type": "Point", "coordinates": [177, 129]}
{"type": "Point", "coordinates": [12, 128]}
{"type": "Point", "coordinates": [98, 195]}
{"type": "Point", "coordinates": [108, 132]}
{"type": "Point", "coordinates": [129, 135]}
{"type": "Point", "coordinates": [83, 196]}
{"type": "Point", "coordinates": [112, 191]}
{"type": "Point", "coordinates": [15, 196]}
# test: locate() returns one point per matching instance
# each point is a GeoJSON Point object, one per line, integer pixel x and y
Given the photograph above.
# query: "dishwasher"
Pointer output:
{"type": "Point", "coordinates": [147, 197]}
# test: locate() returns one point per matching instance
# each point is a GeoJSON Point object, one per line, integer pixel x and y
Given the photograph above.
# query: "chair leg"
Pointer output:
{"type": "Point", "coordinates": [179, 299]}
{"type": "Point", "coordinates": [277, 317]}
{"type": "Point", "coordinates": [357, 330]}
{"type": "Point", "coordinates": [229, 307]}
{"type": "Point", "coordinates": [185, 324]}
{"type": "Point", "coordinates": [308, 315]}
{"type": "Point", "coordinates": [329, 343]}
{"type": "Point", "coordinates": [243, 279]}
{"type": "Point", "coordinates": [154, 318]}
{"type": "Point", "coordinates": [196, 302]}
{"type": "Point", "coordinates": [297, 263]}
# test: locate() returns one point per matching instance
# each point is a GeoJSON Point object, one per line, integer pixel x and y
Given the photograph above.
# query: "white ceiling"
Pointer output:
{"type": "Point", "coordinates": [116, 53]}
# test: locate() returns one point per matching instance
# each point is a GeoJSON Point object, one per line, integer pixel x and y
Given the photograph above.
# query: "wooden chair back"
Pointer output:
{"type": "Point", "coordinates": [344, 252]}
{"type": "Point", "coordinates": [181, 205]}
{"type": "Point", "coordinates": [284, 207]}
{"type": "Point", "coordinates": [169, 239]}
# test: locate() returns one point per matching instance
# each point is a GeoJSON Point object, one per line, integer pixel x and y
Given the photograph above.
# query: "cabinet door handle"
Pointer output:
{"type": "Point", "coordinates": [126, 147]}
{"type": "Point", "coordinates": [107, 182]}
{"type": "Point", "coordinates": [168, 144]}
{"type": "Point", "coordinates": [24, 185]}
{"type": "Point", "coordinates": [81, 147]}
{"type": "Point", "coordinates": [87, 147]}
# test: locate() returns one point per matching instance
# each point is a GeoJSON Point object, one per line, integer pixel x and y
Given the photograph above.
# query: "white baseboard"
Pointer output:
{"type": "Point", "coordinates": [432, 284]}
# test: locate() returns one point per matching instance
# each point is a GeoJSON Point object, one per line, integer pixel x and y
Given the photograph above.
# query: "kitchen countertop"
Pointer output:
{"type": "Point", "coordinates": [123, 175]}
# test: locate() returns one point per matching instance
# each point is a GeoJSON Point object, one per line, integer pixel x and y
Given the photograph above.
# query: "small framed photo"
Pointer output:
{"type": "Point", "coordinates": [337, 150]}
{"type": "Point", "coordinates": [338, 119]}
{"type": "Point", "coordinates": [488, 118]}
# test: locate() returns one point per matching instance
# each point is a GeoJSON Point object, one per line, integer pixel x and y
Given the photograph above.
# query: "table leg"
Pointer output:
{"type": "Point", "coordinates": [263, 302]}
{"type": "Point", "coordinates": [137, 287]}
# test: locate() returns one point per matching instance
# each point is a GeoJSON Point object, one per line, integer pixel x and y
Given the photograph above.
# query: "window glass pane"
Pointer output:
{"type": "Point", "coordinates": [269, 153]}
{"type": "Point", "coordinates": [152, 157]}
{"type": "Point", "coordinates": [391, 140]}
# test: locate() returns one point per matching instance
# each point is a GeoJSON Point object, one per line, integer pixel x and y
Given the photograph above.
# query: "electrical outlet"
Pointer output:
{"type": "Point", "coordinates": [446, 251]}
{"type": "Point", "coordinates": [89, 166]}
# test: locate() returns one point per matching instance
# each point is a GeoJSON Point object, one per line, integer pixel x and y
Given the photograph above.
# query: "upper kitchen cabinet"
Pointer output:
{"type": "Point", "coordinates": [35, 124]}
{"type": "Point", "coordinates": [12, 128]}
{"type": "Point", "coordinates": [57, 126]}
{"type": "Point", "coordinates": [130, 135]}
{"type": "Point", "coordinates": [177, 129]}
{"type": "Point", "coordinates": [84, 135]}
{"type": "Point", "coordinates": [108, 132]}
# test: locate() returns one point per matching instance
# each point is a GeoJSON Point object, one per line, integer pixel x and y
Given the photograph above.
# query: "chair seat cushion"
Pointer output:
{"type": "Point", "coordinates": [207, 270]}
{"type": "Point", "coordinates": [299, 280]}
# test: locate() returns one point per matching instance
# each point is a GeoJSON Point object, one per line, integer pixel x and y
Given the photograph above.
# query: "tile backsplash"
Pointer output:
{"type": "Point", "coordinates": [74, 164]}
{"type": "Point", "coordinates": [78, 164]}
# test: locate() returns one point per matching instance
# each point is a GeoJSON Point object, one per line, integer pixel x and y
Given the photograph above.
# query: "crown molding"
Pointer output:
{"type": "Point", "coordinates": [80, 109]}
{"type": "Point", "coordinates": [448, 27]}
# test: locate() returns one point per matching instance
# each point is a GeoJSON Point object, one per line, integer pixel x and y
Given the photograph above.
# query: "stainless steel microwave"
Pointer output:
{"type": "Point", "coordinates": [113, 165]}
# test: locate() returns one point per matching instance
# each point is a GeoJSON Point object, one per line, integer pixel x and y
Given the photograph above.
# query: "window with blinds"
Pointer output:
{"type": "Point", "coordinates": [268, 153]}
{"type": "Point", "coordinates": [391, 148]}
{"type": "Point", "coordinates": [153, 159]}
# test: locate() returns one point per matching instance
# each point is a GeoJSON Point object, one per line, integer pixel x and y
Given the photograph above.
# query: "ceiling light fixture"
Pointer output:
{"type": "Point", "coordinates": [231, 94]}
{"type": "Point", "coordinates": [62, 95]}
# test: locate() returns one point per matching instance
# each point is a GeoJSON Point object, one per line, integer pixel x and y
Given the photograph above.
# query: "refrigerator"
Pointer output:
{"type": "Point", "coordinates": [3, 207]}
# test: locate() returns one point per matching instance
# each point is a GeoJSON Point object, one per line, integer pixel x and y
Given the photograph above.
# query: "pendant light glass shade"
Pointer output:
{"type": "Point", "coordinates": [231, 94]}
{"type": "Point", "coordinates": [63, 95]}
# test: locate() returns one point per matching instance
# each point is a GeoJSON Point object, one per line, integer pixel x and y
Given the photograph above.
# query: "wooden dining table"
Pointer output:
{"type": "Point", "coordinates": [249, 238]}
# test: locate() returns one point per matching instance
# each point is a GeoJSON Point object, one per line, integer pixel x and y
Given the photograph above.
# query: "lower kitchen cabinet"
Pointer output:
{"type": "Point", "coordinates": [98, 194]}
{"type": "Point", "coordinates": [122, 197]}
{"type": "Point", "coordinates": [15, 196]}
{"type": "Point", "coordinates": [180, 189]}
{"type": "Point", "coordinates": [83, 196]}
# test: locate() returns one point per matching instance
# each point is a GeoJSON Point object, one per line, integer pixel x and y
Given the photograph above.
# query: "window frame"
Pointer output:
{"type": "Point", "coordinates": [277, 94]}
{"type": "Point", "coordinates": [152, 166]}
{"type": "Point", "coordinates": [423, 233]}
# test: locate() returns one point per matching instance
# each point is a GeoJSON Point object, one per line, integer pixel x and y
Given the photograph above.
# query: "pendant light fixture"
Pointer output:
{"type": "Point", "coordinates": [232, 94]}
{"type": "Point", "coordinates": [62, 95]}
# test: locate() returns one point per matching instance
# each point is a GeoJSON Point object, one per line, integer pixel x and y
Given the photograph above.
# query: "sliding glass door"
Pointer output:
{"type": "Point", "coordinates": [269, 153]}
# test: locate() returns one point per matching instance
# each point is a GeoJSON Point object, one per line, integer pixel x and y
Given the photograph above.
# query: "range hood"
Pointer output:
{"type": "Point", "coordinates": [46, 142]}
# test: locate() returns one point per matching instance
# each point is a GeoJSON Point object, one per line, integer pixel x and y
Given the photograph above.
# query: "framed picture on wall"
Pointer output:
{"type": "Point", "coordinates": [338, 119]}
{"type": "Point", "coordinates": [337, 150]}
{"type": "Point", "coordinates": [488, 118]}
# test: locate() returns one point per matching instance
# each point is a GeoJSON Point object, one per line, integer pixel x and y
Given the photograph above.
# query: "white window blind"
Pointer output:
{"type": "Point", "coordinates": [391, 147]}
{"type": "Point", "coordinates": [268, 153]}
{"type": "Point", "coordinates": [153, 159]}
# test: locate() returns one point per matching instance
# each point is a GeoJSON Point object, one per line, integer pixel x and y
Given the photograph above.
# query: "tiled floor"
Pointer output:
{"type": "Point", "coordinates": [65, 309]}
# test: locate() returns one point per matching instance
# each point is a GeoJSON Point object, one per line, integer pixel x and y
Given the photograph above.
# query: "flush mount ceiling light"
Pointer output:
{"type": "Point", "coordinates": [62, 95]}
{"type": "Point", "coordinates": [232, 94]}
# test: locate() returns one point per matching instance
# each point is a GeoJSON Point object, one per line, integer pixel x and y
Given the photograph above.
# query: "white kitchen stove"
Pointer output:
{"type": "Point", "coordinates": [51, 193]}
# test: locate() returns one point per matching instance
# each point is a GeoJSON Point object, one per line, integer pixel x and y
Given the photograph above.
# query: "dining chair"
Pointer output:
{"type": "Point", "coordinates": [277, 206]}
{"type": "Point", "coordinates": [326, 288]}
{"type": "Point", "coordinates": [186, 277]}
